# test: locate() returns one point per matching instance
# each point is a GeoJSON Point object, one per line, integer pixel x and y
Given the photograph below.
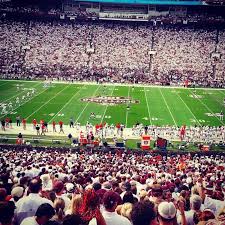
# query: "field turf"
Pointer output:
{"type": "Point", "coordinates": [157, 105]}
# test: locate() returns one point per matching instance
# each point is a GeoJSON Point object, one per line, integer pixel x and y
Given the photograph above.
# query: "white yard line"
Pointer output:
{"type": "Point", "coordinates": [189, 109]}
{"type": "Point", "coordinates": [107, 106]}
{"type": "Point", "coordinates": [18, 93]}
{"type": "Point", "coordinates": [214, 97]}
{"type": "Point", "coordinates": [208, 108]}
{"type": "Point", "coordinates": [223, 92]}
{"type": "Point", "coordinates": [127, 110]}
{"type": "Point", "coordinates": [168, 107]}
{"type": "Point", "coordinates": [86, 105]}
{"type": "Point", "coordinates": [3, 84]}
{"type": "Point", "coordinates": [149, 114]}
{"type": "Point", "coordinates": [67, 103]}
{"type": "Point", "coordinates": [26, 102]}
{"type": "Point", "coordinates": [47, 101]}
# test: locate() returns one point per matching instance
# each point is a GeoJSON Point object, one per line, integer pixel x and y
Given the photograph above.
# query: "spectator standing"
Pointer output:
{"type": "Point", "coordinates": [18, 120]}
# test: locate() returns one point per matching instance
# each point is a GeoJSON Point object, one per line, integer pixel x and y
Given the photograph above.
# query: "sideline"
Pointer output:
{"type": "Point", "coordinates": [118, 84]}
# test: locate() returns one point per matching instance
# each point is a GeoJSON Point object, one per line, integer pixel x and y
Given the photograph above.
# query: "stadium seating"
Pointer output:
{"type": "Point", "coordinates": [111, 52]}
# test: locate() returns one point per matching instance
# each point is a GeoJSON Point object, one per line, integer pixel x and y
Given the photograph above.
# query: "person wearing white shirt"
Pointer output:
{"type": "Point", "coordinates": [110, 201]}
{"type": "Point", "coordinates": [59, 190]}
{"type": "Point", "coordinates": [28, 205]}
{"type": "Point", "coordinates": [196, 203]}
{"type": "Point", "coordinates": [43, 214]}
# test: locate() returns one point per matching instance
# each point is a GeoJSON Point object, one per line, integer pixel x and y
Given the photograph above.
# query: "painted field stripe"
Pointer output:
{"type": "Point", "coordinates": [127, 110]}
{"type": "Point", "coordinates": [86, 105]}
{"type": "Point", "coordinates": [67, 103]}
{"type": "Point", "coordinates": [149, 114]}
{"type": "Point", "coordinates": [207, 108]}
{"type": "Point", "coordinates": [215, 98]}
{"type": "Point", "coordinates": [26, 101]}
{"type": "Point", "coordinates": [3, 84]}
{"type": "Point", "coordinates": [168, 107]}
{"type": "Point", "coordinates": [19, 93]}
{"type": "Point", "coordinates": [223, 92]}
{"type": "Point", "coordinates": [107, 106]}
{"type": "Point", "coordinates": [48, 101]}
{"type": "Point", "coordinates": [189, 109]}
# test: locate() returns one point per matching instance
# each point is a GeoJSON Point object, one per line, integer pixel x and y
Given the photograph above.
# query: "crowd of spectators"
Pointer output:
{"type": "Point", "coordinates": [76, 188]}
{"type": "Point", "coordinates": [112, 52]}
{"type": "Point", "coordinates": [193, 134]}
{"type": "Point", "coordinates": [12, 38]}
{"type": "Point", "coordinates": [184, 54]}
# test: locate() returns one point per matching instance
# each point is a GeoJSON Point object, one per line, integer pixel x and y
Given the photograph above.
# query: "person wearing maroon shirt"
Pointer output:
{"type": "Point", "coordinates": [118, 127]}
{"type": "Point", "coordinates": [42, 122]}
{"type": "Point", "coordinates": [61, 126]}
{"type": "Point", "coordinates": [34, 123]}
{"type": "Point", "coordinates": [24, 122]}
{"type": "Point", "coordinates": [96, 128]}
{"type": "Point", "coordinates": [42, 129]}
{"type": "Point", "coordinates": [7, 122]}
{"type": "Point", "coordinates": [53, 126]}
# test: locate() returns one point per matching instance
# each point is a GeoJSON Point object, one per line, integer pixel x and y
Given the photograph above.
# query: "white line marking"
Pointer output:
{"type": "Point", "coordinates": [168, 107]}
{"type": "Point", "coordinates": [66, 103]}
{"type": "Point", "coordinates": [150, 120]}
{"type": "Point", "coordinates": [86, 106]}
{"type": "Point", "coordinates": [189, 109]}
{"type": "Point", "coordinates": [48, 101]}
{"type": "Point", "coordinates": [3, 84]}
{"type": "Point", "coordinates": [207, 108]}
{"type": "Point", "coordinates": [214, 97]}
{"type": "Point", "coordinates": [121, 85]}
{"type": "Point", "coordinates": [19, 93]}
{"type": "Point", "coordinates": [107, 106]}
{"type": "Point", "coordinates": [221, 91]}
{"type": "Point", "coordinates": [128, 103]}
{"type": "Point", "coordinates": [26, 102]}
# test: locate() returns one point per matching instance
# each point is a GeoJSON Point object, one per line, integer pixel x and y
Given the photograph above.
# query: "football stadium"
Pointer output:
{"type": "Point", "coordinates": [112, 112]}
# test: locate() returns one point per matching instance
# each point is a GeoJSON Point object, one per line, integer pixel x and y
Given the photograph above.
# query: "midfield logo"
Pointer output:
{"type": "Point", "coordinates": [110, 100]}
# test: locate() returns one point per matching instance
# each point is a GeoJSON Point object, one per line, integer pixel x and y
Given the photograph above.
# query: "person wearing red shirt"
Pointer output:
{"type": "Point", "coordinates": [118, 127]}
{"type": "Point", "coordinates": [42, 129]}
{"type": "Point", "coordinates": [61, 126]}
{"type": "Point", "coordinates": [53, 126]}
{"type": "Point", "coordinates": [42, 122]}
{"type": "Point", "coordinates": [34, 123]}
{"type": "Point", "coordinates": [96, 128]}
{"type": "Point", "coordinates": [7, 122]}
{"type": "Point", "coordinates": [24, 122]}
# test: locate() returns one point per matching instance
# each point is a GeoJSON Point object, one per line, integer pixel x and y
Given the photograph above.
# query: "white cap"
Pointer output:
{"type": "Point", "coordinates": [167, 210]}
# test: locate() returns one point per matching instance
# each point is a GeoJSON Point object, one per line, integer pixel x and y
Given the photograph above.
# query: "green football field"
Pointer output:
{"type": "Point", "coordinates": [154, 105]}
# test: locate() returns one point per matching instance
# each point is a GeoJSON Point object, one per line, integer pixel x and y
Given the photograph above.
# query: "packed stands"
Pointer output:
{"type": "Point", "coordinates": [108, 187]}
{"type": "Point", "coordinates": [111, 51]}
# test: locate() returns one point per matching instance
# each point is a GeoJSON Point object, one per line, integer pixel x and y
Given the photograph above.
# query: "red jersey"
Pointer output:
{"type": "Point", "coordinates": [24, 121]}
{"type": "Point", "coordinates": [42, 126]}
{"type": "Point", "coordinates": [7, 120]}
{"type": "Point", "coordinates": [53, 123]}
{"type": "Point", "coordinates": [118, 125]}
{"type": "Point", "coordinates": [34, 122]}
{"type": "Point", "coordinates": [60, 123]}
